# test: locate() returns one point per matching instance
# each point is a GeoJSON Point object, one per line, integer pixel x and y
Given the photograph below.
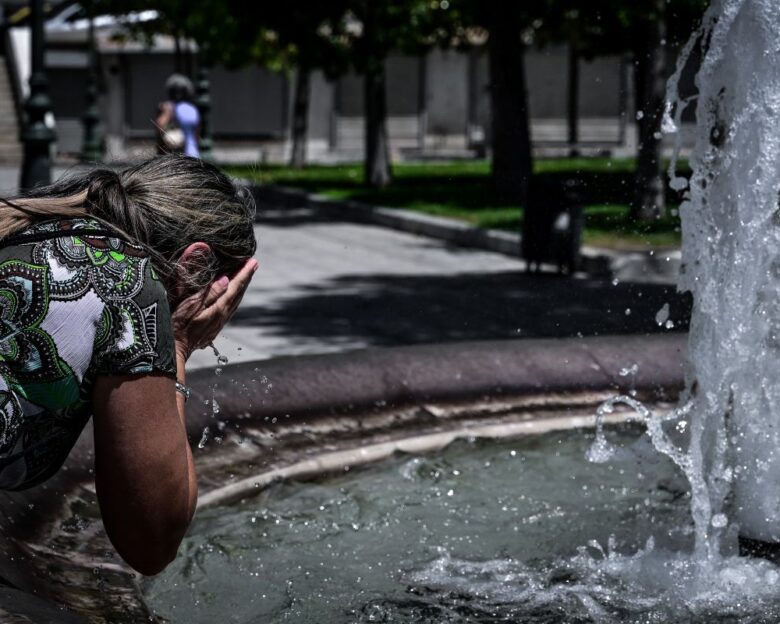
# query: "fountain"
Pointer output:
{"type": "Point", "coordinates": [723, 438]}
{"type": "Point", "coordinates": [358, 494]}
{"type": "Point", "coordinates": [731, 264]}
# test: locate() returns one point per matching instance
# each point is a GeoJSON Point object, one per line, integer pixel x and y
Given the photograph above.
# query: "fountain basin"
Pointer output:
{"type": "Point", "coordinates": [303, 416]}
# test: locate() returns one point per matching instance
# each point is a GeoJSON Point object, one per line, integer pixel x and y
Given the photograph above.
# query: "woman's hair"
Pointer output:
{"type": "Point", "coordinates": [179, 87]}
{"type": "Point", "coordinates": [163, 204]}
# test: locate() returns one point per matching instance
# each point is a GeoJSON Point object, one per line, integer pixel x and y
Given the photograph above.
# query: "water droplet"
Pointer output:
{"type": "Point", "coordinates": [719, 521]}
{"type": "Point", "coordinates": [662, 315]}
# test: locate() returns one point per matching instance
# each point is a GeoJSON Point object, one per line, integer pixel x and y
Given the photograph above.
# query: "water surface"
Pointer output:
{"type": "Point", "coordinates": [484, 531]}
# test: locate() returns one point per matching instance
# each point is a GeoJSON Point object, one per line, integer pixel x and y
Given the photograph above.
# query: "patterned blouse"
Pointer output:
{"type": "Point", "coordinates": [75, 304]}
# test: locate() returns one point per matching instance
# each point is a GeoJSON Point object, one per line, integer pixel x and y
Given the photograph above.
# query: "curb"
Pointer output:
{"type": "Point", "coordinates": [640, 266]}
{"type": "Point", "coordinates": [313, 386]}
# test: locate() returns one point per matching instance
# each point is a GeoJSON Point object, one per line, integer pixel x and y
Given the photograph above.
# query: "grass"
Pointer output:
{"type": "Point", "coordinates": [462, 190]}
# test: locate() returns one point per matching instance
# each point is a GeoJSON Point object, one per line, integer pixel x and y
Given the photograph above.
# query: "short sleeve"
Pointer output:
{"type": "Point", "coordinates": [135, 332]}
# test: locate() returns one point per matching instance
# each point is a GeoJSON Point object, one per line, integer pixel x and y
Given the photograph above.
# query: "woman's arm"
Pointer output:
{"type": "Point", "coordinates": [144, 475]}
{"type": "Point", "coordinates": [164, 116]}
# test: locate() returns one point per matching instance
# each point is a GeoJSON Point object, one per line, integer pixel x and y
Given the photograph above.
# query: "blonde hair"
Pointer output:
{"type": "Point", "coordinates": [163, 204]}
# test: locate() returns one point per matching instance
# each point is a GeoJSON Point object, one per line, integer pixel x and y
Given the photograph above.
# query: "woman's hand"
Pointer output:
{"type": "Point", "coordinates": [199, 318]}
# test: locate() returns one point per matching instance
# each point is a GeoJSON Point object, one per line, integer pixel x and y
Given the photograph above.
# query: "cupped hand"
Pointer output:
{"type": "Point", "coordinates": [199, 318]}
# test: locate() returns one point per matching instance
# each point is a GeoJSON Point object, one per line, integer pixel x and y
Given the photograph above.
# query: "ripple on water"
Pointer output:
{"type": "Point", "coordinates": [520, 530]}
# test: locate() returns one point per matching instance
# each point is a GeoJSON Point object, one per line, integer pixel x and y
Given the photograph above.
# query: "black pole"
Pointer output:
{"type": "Point", "coordinates": [36, 136]}
{"type": "Point", "coordinates": [572, 104]}
{"type": "Point", "coordinates": [203, 102]}
{"type": "Point", "coordinates": [90, 147]}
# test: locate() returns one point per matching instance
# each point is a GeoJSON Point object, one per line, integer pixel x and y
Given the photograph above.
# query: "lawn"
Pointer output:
{"type": "Point", "coordinates": [462, 190]}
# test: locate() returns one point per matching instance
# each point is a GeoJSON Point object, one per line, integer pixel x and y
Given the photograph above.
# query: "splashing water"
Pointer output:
{"type": "Point", "coordinates": [731, 231]}
{"type": "Point", "coordinates": [483, 532]}
{"type": "Point", "coordinates": [222, 360]}
{"type": "Point", "coordinates": [723, 437]}
{"type": "Point", "coordinates": [731, 265]}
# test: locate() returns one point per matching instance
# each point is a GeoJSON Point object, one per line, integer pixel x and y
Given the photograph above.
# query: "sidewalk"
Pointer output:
{"type": "Point", "coordinates": [9, 178]}
{"type": "Point", "coordinates": [326, 285]}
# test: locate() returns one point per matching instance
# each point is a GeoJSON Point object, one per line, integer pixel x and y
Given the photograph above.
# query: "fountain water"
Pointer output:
{"type": "Point", "coordinates": [724, 437]}
{"type": "Point", "coordinates": [731, 264]}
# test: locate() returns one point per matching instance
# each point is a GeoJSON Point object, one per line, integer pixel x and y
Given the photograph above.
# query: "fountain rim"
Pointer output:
{"type": "Point", "coordinates": [393, 379]}
{"type": "Point", "coordinates": [320, 389]}
{"type": "Point", "coordinates": [331, 462]}
{"type": "Point", "coordinates": [311, 387]}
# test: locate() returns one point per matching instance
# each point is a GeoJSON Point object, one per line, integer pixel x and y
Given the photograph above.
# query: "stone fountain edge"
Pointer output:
{"type": "Point", "coordinates": [314, 386]}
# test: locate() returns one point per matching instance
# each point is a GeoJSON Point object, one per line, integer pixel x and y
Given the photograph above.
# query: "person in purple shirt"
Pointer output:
{"type": "Point", "coordinates": [178, 119]}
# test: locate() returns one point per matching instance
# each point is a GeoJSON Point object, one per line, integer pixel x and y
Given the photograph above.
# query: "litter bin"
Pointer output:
{"type": "Point", "coordinates": [552, 227]}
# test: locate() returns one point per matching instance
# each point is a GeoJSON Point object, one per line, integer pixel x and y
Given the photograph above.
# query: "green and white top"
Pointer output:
{"type": "Point", "coordinates": [75, 303]}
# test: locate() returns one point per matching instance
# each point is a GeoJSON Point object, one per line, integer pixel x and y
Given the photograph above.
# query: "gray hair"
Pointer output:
{"type": "Point", "coordinates": [163, 204]}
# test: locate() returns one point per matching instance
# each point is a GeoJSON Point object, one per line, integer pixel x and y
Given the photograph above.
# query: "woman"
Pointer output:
{"type": "Point", "coordinates": [108, 282]}
{"type": "Point", "coordinates": [178, 120]}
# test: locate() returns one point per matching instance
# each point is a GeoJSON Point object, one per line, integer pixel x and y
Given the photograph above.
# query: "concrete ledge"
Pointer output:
{"type": "Point", "coordinates": [323, 385]}
{"type": "Point", "coordinates": [645, 266]}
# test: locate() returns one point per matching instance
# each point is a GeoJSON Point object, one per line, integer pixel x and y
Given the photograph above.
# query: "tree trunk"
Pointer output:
{"type": "Point", "coordinates": [572, 100]}
{"type": "Point", "coordinates": [649, 189]}
{"type": "Point", "coordinates": [377, 157]}
{"type": "Point", "coordinates": [511, 140]}
{"type": "Point", "coordinates": [300, 121]}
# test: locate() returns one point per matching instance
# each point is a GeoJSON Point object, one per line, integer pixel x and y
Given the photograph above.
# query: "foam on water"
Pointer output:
{"type": "Point", "coordinates": [652, 585]}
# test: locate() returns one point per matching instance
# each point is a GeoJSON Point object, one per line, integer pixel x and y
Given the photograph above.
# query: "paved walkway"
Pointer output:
{"type": "Point", "coordinates": [326, 286]}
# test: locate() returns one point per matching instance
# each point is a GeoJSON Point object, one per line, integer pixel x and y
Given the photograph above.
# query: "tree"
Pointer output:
{"type": "Point", "coordinates": [302, 35]}
{"type": "Point", "coordinates": [512, 163]}
{"type": "Point", "coordinates": [373, 30]}
{"type": "Point", "coordinates": [295, 35]}
{"type": "Point", "coordinates": [511, 28]}
{"type": "Point", "coordinates": [649, 201]}
{"type": "Point", "coordinates": [647, 30]}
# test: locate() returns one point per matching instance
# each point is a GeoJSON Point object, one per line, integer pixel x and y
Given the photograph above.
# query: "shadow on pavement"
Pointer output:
{"type": "Point", "coordinates": [385, 310]}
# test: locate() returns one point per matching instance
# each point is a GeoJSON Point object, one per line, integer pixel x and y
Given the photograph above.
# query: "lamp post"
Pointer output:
{"type": "Point", "coordinates": [36, 136]}
{"type": "Point", "coordinates": [203, 102]}
{"type": "Point", "coordinates": [90, 146]}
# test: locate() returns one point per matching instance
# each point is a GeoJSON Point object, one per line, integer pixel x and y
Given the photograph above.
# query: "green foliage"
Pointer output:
{"type": "Point", "coordinates": [296, 33]}
{"type": "Point", "coordinates": [332, 35]}
{"type": "Point", "coordinates": [370, 30]}
{"type": "Point", "coordinates": [598, 27]}
{"type": "Point", "coordinates": [237, 33]}
{"type": "Point", "coordinates": [462, 190]}
{"type": "Point", "coordinates": [174, 17]}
